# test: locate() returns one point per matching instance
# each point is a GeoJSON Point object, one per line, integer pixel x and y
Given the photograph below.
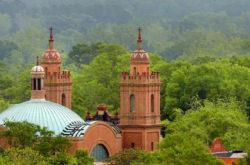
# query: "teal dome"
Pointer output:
{"type": "Point", "coordinates": [43, 113]}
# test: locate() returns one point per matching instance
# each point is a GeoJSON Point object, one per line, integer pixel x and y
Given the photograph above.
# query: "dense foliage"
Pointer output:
{"type": "Point", "coordinates": [31, 144]}
{"type": "Point", "coordinates": [132, 156]}
{"type": "Point", "coordinates": [172, 29]}
{"type": "Point", "coordinates": [201, 48]}
{"type": "Point", "coordinates": [195, 33]}
{"type": "Point", "coordinates": [189, 136]}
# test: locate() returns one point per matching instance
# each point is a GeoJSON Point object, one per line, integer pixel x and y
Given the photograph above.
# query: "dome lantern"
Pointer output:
{"type": "Point", "coordinates": [37, 79]}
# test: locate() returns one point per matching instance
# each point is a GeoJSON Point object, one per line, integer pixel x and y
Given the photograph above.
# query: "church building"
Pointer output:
{"type": "Point", "coordinates": [136, 126]}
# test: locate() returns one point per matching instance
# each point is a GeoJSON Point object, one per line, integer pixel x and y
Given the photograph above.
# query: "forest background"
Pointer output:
{"type": "Point", "coordinates": [201, 48]}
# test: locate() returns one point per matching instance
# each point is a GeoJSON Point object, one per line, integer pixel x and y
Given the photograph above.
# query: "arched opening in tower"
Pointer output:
{"type": "Point", "coordinates": [132, 103]}
{"type": "Point", "coordinates": [39, 84]}
{"type": "Point", "coordinates": [152, 103]}
{"type": "Point", "coordinates": [63, 99]}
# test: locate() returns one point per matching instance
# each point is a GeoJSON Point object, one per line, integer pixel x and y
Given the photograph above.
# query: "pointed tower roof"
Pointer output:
{"type": "Point", "coordinates": [51, 55]}
{"type": "Point", "coordinates": [51, 39]}
{"type": "Point", "coordinates": [139, 39]}
{"type": "Point", "coordinates": [139, 55]}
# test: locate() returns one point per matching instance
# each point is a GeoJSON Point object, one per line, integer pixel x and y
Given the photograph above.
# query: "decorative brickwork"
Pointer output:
{"type": "Point", "coordinates": [102, 114]}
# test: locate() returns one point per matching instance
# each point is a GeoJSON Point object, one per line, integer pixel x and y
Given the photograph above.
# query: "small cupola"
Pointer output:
{"type": "Point", "coordinates": [37, 82]}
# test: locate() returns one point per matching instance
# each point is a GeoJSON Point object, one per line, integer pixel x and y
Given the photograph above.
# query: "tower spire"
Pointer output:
{"type": "Point", "coordinates": [51, 39]}
{"type": "Point", "coordinates": [139, 39]}
{"type": "Point", "coordinates": [37, 60]}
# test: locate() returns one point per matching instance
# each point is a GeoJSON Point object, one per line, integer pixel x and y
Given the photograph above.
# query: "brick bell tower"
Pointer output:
{"type": "Point", "coordinates": [57, 83]}
{"type": "Point", "coordinates": [140, 102]}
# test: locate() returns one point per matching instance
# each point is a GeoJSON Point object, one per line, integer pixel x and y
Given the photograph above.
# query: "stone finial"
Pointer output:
{"type": "Point", "coordinates": [139, 39]}
{"type": "Point", "coordinates": [37, 60]}
{"type": "Point", "coordinates": [51, 39]}
{"type": "Point", "coordinates": [102, 107]}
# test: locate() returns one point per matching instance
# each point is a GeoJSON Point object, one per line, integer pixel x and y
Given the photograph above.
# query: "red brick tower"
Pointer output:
{"type": "Point", "coordinates": [57, 83]}
{"type": "Point", "coordinates": [140, 102]}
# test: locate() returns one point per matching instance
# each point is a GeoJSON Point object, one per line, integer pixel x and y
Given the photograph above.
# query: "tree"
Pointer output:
{"type": "Point", "coordinates": [182, 149]}
{"type": "Point", "coordinates": [3, 105]}
{"type": "Point", "coordinates": [30, 144]}
{"type": "Point", "coordinates": [31, 41]}
{"type": "Point", "coordinates": [185, 83]}
{"type": "Point", "coordinates": [83, 158]}
{"type": "Point", "coordinates": [5, 25]}
{"type": "Point", "coordinates": [20, 134]}
{"type": "Point", "coordinates": [25, 156]}
{"type": "Point", "coordinates": [83, 53]}
{"type": "Point", "coordinates": [49, 145]}
{"type": "Point", "coordinates": [6, 48]}
{"type": "Point", "coordinates": [24, 134]}
{"type": "Point", "coordinates": [132, 156]}
{"type": "Point", "coordinates": [62, 159]}
{"type": "Point", "coordinates": [223, 119]}
{"type": "Point", "coordinates": [4, 160]}
{"type": "Point", "coordinates": [188, 137]}
{"type": "Point", "coordinates": [15, 87]}
{"type": "Point", "coordinates": [98, 82]}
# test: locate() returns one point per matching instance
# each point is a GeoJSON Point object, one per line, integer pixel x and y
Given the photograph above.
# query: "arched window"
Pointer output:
{"type": "Point", "coordinates": [34, 84]}
{"type": "Point", "coordinates": [152, 103]}
{"type": "Point", "coordinates": [134, 70]}
{"type": "Point", "coordinates": [46, 70]}
{"type": "Point", "coordinates": [100, 153]}
{"type": "Point", "coordinates": [63, 99]}
{"type": "Point", "coordinates": [42, 83]}
{"type": "Point", "coordinates": [132, 145]}
{"type": "Point", "coordinates": [132, 103]}
{"type": "Point", "coordinates": [152, 146]}
{"type": "Point", "coordinates": [39, 84]}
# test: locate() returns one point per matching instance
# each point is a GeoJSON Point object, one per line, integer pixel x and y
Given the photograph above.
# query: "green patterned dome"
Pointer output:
{"type": "Point", "coordinates": [43, 113]}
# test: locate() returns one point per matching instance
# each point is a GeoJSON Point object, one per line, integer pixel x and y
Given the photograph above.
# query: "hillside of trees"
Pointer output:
{"type": "Point", "coordinates": [201, 48]}
{"type": "Point", "coordinates": [172, 29]}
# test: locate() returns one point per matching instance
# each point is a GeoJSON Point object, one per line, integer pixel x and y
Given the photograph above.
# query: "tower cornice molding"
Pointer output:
{"type": "Point", "coordinates": [142, 126]}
